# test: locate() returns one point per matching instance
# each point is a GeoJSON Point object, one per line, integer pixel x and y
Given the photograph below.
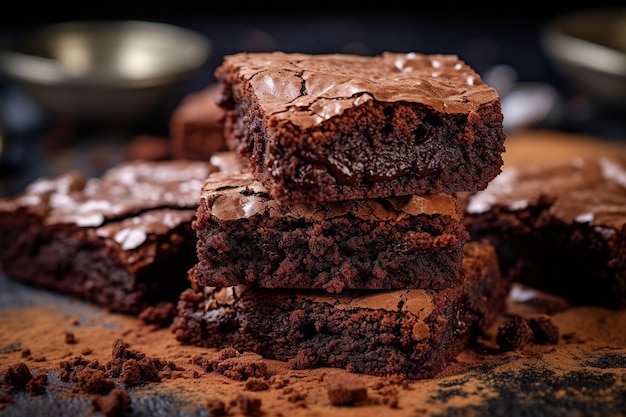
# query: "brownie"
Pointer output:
{"type": "Point", "coordinates": [247, 237]}
{"type": "Point", "coordinates": [345, 127]}
{"type": "Point", "coordinates": [558, 228]}
{"type": "Point", "coordinates": [123, 241]}
{"type": "Point", "coordinates": [196, 125]}
{"type": "Point", "coordinates": [413, 332]}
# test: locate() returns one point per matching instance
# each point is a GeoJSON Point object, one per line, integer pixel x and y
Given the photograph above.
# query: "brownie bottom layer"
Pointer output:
{"type": "Point", "coordinates": [415, 333]}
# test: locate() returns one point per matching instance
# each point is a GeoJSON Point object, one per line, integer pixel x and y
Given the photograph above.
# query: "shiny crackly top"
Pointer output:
{"type": "Point", "coordinates": [129, 202]}
{"type": "Point", "coordinates": [413, 301]}
{"type": "Point", "coordinates": [236, 194]}
{"type": "Point", "coordinates": [308, 89]}
{"type": "Point", "coordinates": [586, 190]}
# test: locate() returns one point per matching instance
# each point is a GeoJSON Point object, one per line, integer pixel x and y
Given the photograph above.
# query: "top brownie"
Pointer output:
{"type": "Point", "coordinates": [342, 127]}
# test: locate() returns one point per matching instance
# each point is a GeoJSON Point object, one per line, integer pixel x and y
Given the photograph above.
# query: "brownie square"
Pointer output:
{"type": "Point", "coordinates": [247, 237]}
{"type": "Point", "coordinates": [197, 125]}
{"type": "Point", "coordinates": [123, 241]}
{"type": "Point", "coordinates": [413, 332]}
{"type": "Point", "coordinates": [559, 227]}
{"type": "Point", "coordinates": [345, 127]}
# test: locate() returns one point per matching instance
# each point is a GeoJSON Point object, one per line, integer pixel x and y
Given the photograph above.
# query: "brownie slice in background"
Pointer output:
{"type": "Point", "coordinates": [558, 227]}
{"type": "Point", "coordinates": [196, 125]}
{"type": "Point", "coordinates": [123, 241]}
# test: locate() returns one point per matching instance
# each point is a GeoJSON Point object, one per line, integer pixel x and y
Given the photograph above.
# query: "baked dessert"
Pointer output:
{"type": "Point", "coordinates": [247, 237]}
{"type": "Point", "coordinates": [196, 125]}
{"type": "Point", "coordinates": [123, 241]}
{"type": "Point", "coordinates": [345, 127]}
{"type": "Point", "coordinates": [412, 332]}
{"type": "Point", "coordinates": [558, 227]}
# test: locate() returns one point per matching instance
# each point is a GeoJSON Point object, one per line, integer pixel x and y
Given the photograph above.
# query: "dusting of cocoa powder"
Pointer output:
{"type": "Point", "coordinates": [585, 370]}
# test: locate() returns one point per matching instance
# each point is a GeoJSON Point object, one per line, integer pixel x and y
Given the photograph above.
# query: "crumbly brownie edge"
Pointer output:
{"type": "Point", "coordinates": [416, 337]}
{"type": "Point", "coordinates": [405, 242]}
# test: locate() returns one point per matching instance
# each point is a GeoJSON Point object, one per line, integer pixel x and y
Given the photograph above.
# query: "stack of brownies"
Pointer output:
{"type": "Point", "coordinates": [332, 234]}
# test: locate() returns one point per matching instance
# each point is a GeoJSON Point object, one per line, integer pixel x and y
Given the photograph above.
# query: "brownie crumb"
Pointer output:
{"type": "Point", "coordinates": [135, 368]}
{"type": "Point", "coordinates": [131, 373]}
{"type": "Point", "coordinates": [216, 408]}
{"type": "Point", "coordinates": [545, 332]}
{"type": "Point", "coordinates": [249, 406]}
{"type": "Point", "coordinates": [227, 353]}
{"type": "Point", "coordinates": [294, 395]}
{"type": "Point", "coordinates": [37, 384]}
{"type": "Point", "coordinates": [71, 368]}
{"type": "Point", "coordinates": [345, 390]}
{"type": "Point", "coordinates": [70, 338]}
{"type": "Point", "coordinates": [18, 375]}
{"type": "Point", "coordinates": [114, 404]}
{"type": "Point", "coordinates": [256, 384]}
{"type": "Point", "coordinates": [242, 367]}
{"type": "Point", "coordinates": [160, 315]}
{"type": "Point", "coordinates": [5, 401]}
{"type": "Point", "coordinates": [514, 334]}
{"type": "Point", "coordinates": [92, 381]}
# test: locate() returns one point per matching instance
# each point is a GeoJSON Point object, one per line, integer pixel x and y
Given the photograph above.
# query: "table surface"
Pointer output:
{"type": "Point", "coordinates": [584, 374]}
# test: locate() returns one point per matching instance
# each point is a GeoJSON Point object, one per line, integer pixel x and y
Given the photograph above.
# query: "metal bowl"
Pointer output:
{"type": "Point", "coordinates": [103, 70]}
{"type": "Point", "coordinates": [589, 49]}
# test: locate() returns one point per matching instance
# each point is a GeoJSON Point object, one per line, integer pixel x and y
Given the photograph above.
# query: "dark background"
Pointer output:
{"type": "Point", "coordinates": [486, 36]}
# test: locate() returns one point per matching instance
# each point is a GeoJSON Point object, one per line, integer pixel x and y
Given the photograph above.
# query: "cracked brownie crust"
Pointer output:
{"type": "Point", "coordinates": [341, 127]}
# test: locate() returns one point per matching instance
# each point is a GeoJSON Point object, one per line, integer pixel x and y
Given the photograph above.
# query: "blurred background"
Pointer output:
{"type": "Point", "coordinates": [509, 49]}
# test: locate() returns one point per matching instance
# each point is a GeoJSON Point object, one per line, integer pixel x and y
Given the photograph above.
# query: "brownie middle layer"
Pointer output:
{"type": "Point", "coordinates": [247, 237]}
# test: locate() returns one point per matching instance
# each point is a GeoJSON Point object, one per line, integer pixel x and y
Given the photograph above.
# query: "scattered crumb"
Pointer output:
{"type": "Point", "coordinates": [242, 367]}
{"type": "Point", "coordinates": [114, 404]}
{"type": "Point", "coordinates": [18, 375]}
{"type": "Point", "coordinates": [545, 332]}
{"type": "Point", "coordinates": [160, 315]}
{"type": "Point", "coordinates": [514, 334]}
{"type": "Point", "coordinates": [345, 389]}
{"type": "Point", "coordinates": [249, 405]}
{"type": "Point", "coordinates": [70, 338]}
{"type": "Point", "coordinates": [217, 408]}
{"type": "Point", "coordinates": [37, 384]}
